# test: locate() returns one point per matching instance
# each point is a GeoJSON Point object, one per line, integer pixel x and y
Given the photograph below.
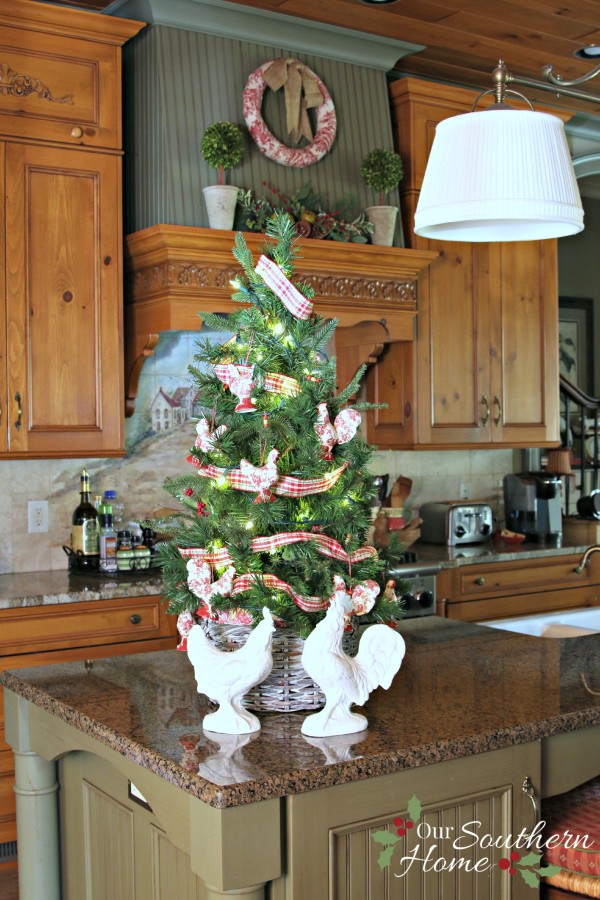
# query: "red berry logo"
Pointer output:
{"type": "Point", "coordinates": [402, 825]}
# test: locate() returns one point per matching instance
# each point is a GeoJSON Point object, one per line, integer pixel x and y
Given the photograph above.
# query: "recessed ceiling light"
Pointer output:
{"type": "Point", "coordinates": [592, 51]}
{"type": "Point", "coordinates": [379, 2]}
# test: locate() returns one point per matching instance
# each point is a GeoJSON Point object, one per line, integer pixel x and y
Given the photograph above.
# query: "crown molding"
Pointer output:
{"type": "Point", "coordinates": [232, 20]}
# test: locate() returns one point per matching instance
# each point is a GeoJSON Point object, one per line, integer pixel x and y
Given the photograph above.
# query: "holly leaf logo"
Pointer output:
{"type": "Point", "coordinates": [549, 871]}
{"type": "Point", "coordinates": [385, 837]}
{"type": "Point", "coordinates": [529, 877]}
{"type": "Point", "coordinates": [385, 857]}
{"type": "Point", "coordinates": [414, 808]}
{"type": "Point", "coordinates": [532, 859]}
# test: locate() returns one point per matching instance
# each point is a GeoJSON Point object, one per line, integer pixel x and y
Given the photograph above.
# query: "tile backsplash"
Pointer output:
{"type": "Point", "coordinates": [158, 438]}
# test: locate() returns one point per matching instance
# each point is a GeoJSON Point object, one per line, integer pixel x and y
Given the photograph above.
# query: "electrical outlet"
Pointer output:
{"type": "Point", "coordinates": [464, 490]}
{"type": "Point", "coordinates": [37, 511]}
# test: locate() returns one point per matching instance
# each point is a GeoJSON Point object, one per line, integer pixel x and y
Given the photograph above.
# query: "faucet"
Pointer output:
{"type": "Point", "coordinates": [585, 559]}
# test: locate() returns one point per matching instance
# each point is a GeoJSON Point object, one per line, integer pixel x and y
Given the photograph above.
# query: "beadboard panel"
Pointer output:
{"type": "Point", "coordinates": [178, 82]}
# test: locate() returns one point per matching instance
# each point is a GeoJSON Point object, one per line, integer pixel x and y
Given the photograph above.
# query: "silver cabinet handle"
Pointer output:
{"type": "Point", "coordinates": [19, 419]}
{"type": "Point", "coordinates": [497, 403]}
{"type": "Point", "coordinates": [529, 791]}
{"type": "Point", "coordinates": [486, 416]}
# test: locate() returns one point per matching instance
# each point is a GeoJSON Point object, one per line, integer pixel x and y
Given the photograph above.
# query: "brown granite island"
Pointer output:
{"type": "Point", "coordinates": [113, 766]}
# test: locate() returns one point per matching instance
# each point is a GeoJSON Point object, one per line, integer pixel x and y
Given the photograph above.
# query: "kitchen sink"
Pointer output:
{"type": "Point", "coordinates": [563, 624]}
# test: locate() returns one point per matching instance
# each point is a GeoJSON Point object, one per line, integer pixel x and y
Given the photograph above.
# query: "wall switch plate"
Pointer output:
{"type": "Point", "coordinates": [37, 512]}
{"type": "Point", "coordinates": [464, 490]}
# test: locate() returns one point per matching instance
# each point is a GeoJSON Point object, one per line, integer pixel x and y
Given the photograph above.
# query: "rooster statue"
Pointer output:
{"type": "Point", "coordinates": [225, 676]}
{"type": "Point", "coordinates": [344, 680]}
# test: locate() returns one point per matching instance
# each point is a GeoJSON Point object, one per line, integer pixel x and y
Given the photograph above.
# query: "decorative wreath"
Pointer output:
{"type": "Point", "coordinates": [267, 143]}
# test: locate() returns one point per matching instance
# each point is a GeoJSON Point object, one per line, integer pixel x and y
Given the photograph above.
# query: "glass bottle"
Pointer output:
{"type": "Point", "coordinates": [84, 526]}
{"type": "Point", "coordinates": [118, 509]}
{"type": "Point", "coordinates": [108, 539]}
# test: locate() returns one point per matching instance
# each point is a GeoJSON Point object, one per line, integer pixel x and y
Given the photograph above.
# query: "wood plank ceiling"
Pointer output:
{"type": "Point", "coordinates": [465, 38]}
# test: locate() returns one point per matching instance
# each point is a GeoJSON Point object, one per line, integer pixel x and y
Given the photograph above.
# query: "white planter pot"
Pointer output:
{"type": "Point", "coordinates": [221, 200]}
{"type": "Point", "coordinates": [384, 220]}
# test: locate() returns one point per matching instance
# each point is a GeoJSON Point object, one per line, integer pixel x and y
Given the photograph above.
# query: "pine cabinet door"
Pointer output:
{"type": "Point", "coordinates": [64, 309]}
{"type": "Point", "coordinates": [524, 343]}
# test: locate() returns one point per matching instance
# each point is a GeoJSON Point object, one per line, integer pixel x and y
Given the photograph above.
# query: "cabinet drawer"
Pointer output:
{"type": "Point", "coordinates": [480, 610]}
{"type": "Point", "coordinates": [64, 89]}
{"type": "Point", "coordinates": [82, 624]}
{"type": "Point", "coordinates": [529, 576]}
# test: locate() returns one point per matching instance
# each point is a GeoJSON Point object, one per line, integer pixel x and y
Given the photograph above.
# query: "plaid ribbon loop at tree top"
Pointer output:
{"type": "Point", "coordinates": [285, 486]}
{"type": "Point", "coordinates": [325, 545]}
{"type": "Point", "coordinates": [299, 305]}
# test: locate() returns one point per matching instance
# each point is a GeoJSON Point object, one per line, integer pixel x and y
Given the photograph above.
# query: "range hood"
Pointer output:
{"type": "Point", "coordinates": [173, 272]}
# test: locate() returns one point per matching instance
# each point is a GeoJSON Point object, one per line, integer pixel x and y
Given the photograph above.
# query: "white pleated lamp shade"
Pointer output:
{"type": "Point", "coordinates": [500, 174]}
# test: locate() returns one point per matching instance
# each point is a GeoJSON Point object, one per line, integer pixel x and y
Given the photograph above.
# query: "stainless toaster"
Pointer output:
{"type": "Point", "coordinates": [446, 522]}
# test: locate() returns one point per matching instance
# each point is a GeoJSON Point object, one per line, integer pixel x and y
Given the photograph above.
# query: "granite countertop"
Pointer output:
{"type": "Point", "coordinates": [462, 689]}
{"type": "Point", "coordinates": [490, 551]}
{"type": "Point", "coordinates": [46, 588]}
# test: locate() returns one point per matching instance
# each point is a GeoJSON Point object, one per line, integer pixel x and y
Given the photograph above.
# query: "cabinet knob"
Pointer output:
{"type": "Point", "coordinates": [77, 131]}
{"type": "Point", "coordinates": [480, 581]}
{"type": "Point", "coordinates": [135, 619]}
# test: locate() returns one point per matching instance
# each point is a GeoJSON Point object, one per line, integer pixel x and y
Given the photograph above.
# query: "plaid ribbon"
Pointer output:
{"type": "Point", "coordinates": [286, 486]}
{"type": "Point", "coordinates": [308, 604]}
{"type": "Point", "coordinates": [325, 545]}
{"type": "Point", "coordinates": [281, 384]}
{"type": "Point", "coordinates": [299, 305]}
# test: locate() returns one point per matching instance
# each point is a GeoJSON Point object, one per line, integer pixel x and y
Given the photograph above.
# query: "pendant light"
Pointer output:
{"type": "Point", "coordinates": [500, 174]}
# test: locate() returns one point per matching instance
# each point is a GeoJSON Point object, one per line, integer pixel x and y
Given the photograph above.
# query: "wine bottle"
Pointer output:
{"type": "Point", "coordinates": [84, 527]}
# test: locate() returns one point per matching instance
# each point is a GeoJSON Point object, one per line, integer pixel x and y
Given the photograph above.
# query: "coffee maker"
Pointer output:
{"type": "Point", "coordinates": [532, 506]}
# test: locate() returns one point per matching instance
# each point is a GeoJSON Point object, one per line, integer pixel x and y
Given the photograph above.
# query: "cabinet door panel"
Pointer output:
{"type": "Point", "coordinates": [3, 354]}
{"type": "Point", "coordinates": [525, 342]}
{"type": "Point", "coordinates": [453, 347]}
{"type": "Point", "coordinates": [63, 302]}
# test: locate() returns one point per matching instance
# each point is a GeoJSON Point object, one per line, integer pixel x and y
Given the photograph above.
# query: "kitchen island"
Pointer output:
{"type": "Point", "coordinates": [477, 726]}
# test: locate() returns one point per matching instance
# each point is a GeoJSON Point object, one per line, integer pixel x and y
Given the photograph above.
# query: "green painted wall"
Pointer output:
{"type": "Point", "coordinates": [176, 82]}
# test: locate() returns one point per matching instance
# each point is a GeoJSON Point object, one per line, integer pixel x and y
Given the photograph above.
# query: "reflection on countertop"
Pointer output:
{"type": "Point", "coordinates": [46, 588]}
{"type": "Point", "coordinates": [490, 551]}
{"type": "Point", "coordinates": [462, 689]}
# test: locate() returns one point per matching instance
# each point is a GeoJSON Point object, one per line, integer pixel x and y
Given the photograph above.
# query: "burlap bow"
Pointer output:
{"type": "Point", "coordinates": [301, 92]}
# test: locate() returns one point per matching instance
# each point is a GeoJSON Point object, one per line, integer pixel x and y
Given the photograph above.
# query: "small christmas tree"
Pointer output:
{"type": "Point", "coordinates": [277, 502]}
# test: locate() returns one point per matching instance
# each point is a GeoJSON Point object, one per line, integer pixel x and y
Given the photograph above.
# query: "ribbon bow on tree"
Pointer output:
{"type": "Point", "coordinates": [301, 92]}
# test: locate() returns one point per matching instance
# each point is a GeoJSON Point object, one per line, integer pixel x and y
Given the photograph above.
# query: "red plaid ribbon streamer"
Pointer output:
{"type": "Point", "coordinates": [281, 384]}
{"type": "Point", "coordinates": [299, 305]}
{"type": "Point", "coordinates": [286, 486]}
{"type": "Point", "coordinates": [308, 604]}
{"type": "Point", "coordinates": [325, 545]}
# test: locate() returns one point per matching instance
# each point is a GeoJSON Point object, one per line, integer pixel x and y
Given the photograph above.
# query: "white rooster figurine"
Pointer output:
{"type": "Point", "coordinates": [341, 431]}
{"type": "Point", "coordinates": [344, 680]}
{"type": "Point", "coordinates": [225, 676]}
{"type": "Point", "coordinates": [262, 477]}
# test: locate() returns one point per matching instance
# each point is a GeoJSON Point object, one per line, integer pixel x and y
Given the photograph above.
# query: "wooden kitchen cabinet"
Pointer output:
{"type": "Point", "coordinates": [61, 334]}
{"type": "Point", "coordinates": [484, 368]}
{"type": "Point", "coordinates": [67, 632]}
{"type": "Point", "coordinates": [475, 593]}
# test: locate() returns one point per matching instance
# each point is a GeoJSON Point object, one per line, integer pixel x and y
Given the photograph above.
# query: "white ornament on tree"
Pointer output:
{"type": "Point", "coordinates": [345, 680]}
{"type": "Point", "coordinates": [225, 676]}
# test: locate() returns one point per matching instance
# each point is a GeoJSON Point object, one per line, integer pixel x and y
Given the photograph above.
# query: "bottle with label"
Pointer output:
{"type": "Point", "coordinates": [84, 527]}
{"type": "Point", "coordinates": [125, 555]}
{"type": "Point", "coordinates": [108, 539]}
{"type": "Point", "coordinates": [118, 509]}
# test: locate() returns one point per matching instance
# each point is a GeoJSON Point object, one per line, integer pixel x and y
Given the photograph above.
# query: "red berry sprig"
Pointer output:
{"type": "Point", "coordinates": [507, 862]}
{"type": "Point", "coordinates": [402, 825]}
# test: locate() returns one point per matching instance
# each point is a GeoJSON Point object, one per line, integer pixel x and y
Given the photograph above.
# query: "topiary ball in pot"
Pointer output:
{"type": "Point", "coordinates": [222, 147]}
{"type": "Point", "coordinates": [382, 171]}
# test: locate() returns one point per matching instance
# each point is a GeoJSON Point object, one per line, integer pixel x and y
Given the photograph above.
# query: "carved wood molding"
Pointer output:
{"type": "Point", "coordinates": [175, 272]}
{"type": "Point", "coordinates": [16, 85]}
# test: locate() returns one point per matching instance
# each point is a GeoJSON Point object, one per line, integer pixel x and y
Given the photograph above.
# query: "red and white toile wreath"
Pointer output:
{"type": "Point", "coordinates": [267, 143]}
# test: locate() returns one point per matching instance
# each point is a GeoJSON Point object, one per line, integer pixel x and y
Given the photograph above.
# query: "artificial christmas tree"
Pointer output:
{"type": "Point", "coordinates": [278, 499]}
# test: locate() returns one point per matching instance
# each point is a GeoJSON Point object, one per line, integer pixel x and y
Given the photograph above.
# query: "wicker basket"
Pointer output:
{"type": "Point", "coordinates": [288, 688]}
